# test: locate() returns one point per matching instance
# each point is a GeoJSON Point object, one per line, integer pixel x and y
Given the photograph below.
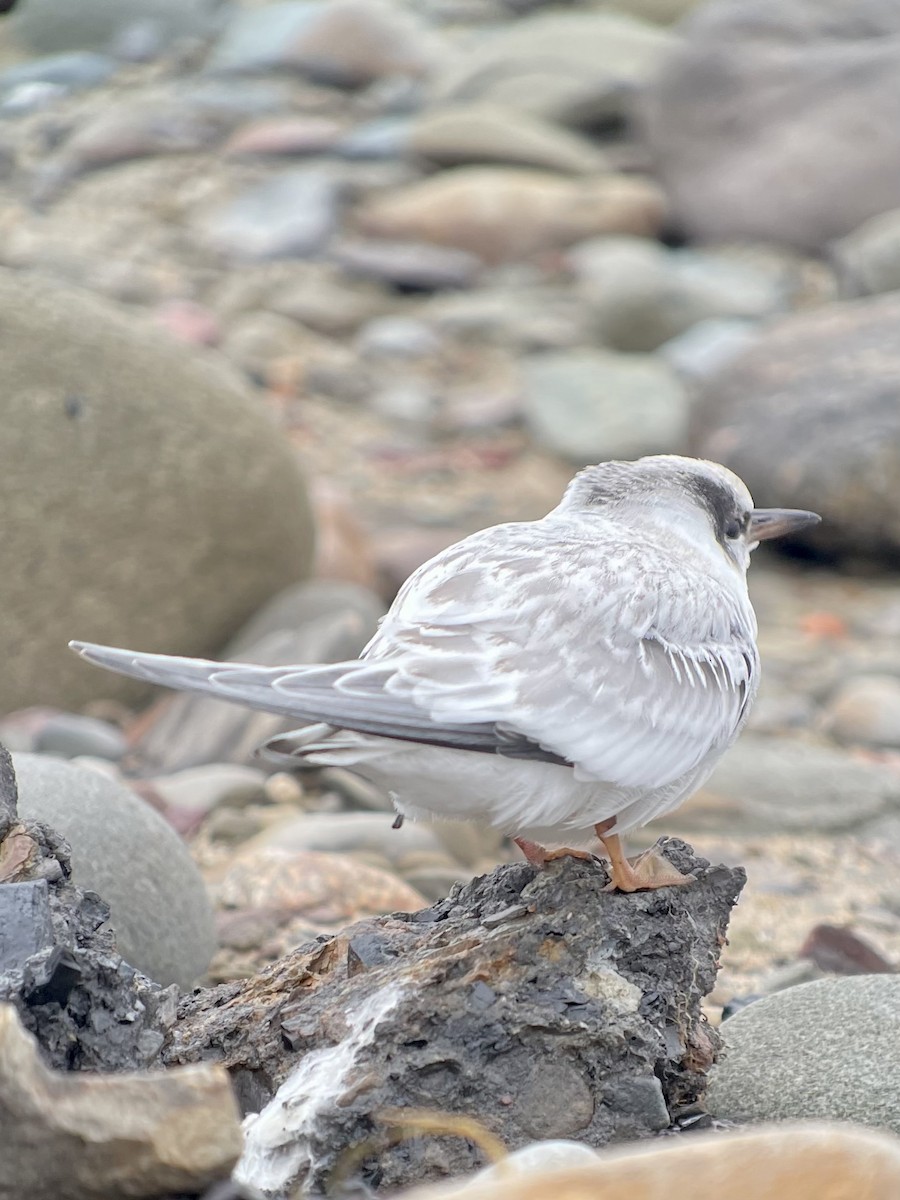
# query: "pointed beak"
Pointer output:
{"type": "Point", "coordinates": [768, 523]}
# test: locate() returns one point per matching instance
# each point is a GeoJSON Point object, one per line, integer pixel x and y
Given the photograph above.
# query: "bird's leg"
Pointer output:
{"type": "Point", "coordinates": [648, 871]}
{"type": "Point", "coordinates": [539, 857]}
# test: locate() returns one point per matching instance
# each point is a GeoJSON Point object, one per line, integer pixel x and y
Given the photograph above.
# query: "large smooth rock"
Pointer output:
{"type": "Point", "coordinates": [502, 214]}
{"type": "Point", "coordinates": [45, 26]}
{"type": "Point", "coordinates": [147, 499]}
{"type": "Point", "coordinates": [755, 120]}
{"type": "Point", "coordinates": [827, 1049]}
{"type": "Point", "coordinates": [809, 417]}
{"type": "Point", "coordinates": [128, 854]}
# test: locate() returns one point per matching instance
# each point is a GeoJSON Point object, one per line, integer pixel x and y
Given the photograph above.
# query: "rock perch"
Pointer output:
{"type": "Point", "coordinates": [532, 1001]}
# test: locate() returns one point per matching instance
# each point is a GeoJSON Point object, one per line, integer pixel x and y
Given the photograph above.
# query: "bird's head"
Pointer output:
{"type": "Point", "coordinates": [703, 500]}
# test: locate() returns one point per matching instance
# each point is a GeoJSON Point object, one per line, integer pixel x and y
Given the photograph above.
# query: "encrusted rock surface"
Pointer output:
{"type": "Point", "coordinates": [537, 1001]}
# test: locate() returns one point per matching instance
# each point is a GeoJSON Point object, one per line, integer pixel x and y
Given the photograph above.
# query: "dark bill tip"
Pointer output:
{"type": "Point", "coordinates": [768, 523]}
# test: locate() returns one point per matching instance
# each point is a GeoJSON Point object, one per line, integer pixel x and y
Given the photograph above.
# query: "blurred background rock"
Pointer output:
{"type": "Point", "coordinates": [294, 294]}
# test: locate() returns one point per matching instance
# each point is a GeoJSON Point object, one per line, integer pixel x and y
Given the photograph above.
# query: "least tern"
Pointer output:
{"type": "Point", "coordinates": [558, 679]}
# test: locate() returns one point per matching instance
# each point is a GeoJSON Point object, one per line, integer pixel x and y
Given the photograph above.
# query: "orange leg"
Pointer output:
{"type": "Point", "coordinates": [539, 857]}
{"type": "Point", "coordinates": [644, 873]}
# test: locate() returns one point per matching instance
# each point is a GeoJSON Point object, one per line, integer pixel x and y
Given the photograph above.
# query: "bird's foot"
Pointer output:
{"type": "Point", "coordinates": [539, 857]}
{"type": "Point", "coordinates": [644, 872]}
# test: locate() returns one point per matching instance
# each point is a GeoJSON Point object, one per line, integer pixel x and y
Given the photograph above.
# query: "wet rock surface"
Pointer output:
{"type": "Point", "coordinates": [550, 1007]}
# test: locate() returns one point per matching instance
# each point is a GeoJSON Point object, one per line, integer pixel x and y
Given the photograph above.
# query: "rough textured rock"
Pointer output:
{"type": "Point", "coordinates": [147, 499]}
{"type": "Point", "coordinates": [754, 120]}
{"type": "Point", "coordinates": [535, 1000]}
{"type": "Point", "coordinates": [802, 1162]}
{"type": "Point", "coordinates": [128, 854]}
{"type": "Point", "coordinates": [809, 417]}
{"type": "Point", "coordinates": [827, 1049]}
{"type": "Point", "coordinates": [313, 622]}
{"type": "Point", "coordinates": [80, 1136]}
{"type": "Point", "coordinates": [502, 214]}
{"type": "Point", "coordinates": [87, 1007]}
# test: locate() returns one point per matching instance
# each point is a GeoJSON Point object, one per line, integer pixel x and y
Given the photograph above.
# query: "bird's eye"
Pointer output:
{"type": "Point", "coordinates": [734, 528]}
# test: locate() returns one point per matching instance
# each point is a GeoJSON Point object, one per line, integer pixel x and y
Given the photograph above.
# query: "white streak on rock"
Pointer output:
{"type": "Point", "coordinates": [278, 1148]}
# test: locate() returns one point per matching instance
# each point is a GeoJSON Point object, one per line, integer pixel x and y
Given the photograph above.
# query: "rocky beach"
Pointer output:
{"type": "Point", "coordinates": [293, 295]}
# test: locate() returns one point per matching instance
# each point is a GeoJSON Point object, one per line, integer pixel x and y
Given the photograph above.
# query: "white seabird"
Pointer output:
{"type": "Point", "coordinates": [558, 679]}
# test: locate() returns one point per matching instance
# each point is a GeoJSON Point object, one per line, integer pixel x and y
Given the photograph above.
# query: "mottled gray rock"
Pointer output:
{"type": "Point", "coordinates": [287, 215]}
{"type": "Point", "coordinates": [88, 1008]}
{"type": "Point", "coordinates": [313, 622]}
{"type": "Point", "coordinates": [830, 1048]}
{"type": "Point", "coordinates": [590, 405]}
{"type": "Point", "coordinates": [89, 1136]}
{"type": "Point", "coordinates": [147, 499]}
{"type": "Point", "coordinates": [754, 120]}
{"type": "Point", "coordinates": [9, 792]}
{"type": "Point", "coordinates": [557, 1008]}
{"type": "Point", "coordinates": [127, 853]}
{"type": "Point", "coordinates": [45, 26]}
{"type": "Point", "coordinates": [579, 68]}
{"type": "Point", "coordinates": [809, 417]}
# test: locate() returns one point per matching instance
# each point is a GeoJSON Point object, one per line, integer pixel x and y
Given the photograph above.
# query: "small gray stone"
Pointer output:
{"type": "Point", "coordinates": [387, 137]}
{"type": "Point", "coordinates": [68, 735]}
{"type": "Point", "coordinates": [828, 1049]}
{"type": "Point", "coordinates": [26, 926]}
{"type": "Point", "coordinates": [397, 337]}
{"type": "Point", "coordinates": [133, 859]}
{"type": "Point", "coordinates": [290, 215]}
{"type": "Point", "coordinates": [345, 833]}
{"type": "Point", "coordinates": [590, 405]}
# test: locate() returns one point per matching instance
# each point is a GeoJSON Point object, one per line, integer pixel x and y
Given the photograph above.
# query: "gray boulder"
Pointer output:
{"type": "Point", "coordinates": [132, 858]}
{"type": "Point", "coordinates": [755, 120]}
{"type": "Point", "coordinates": [809, 416]}
{"type": "Point", "coordinates": [147, 499]}
{"type": "Point", "coordinates": [828, 1049]}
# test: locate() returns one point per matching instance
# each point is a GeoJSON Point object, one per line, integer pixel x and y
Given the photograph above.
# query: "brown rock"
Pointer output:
{"type": "Point", "coordinates": [81, 1136]}
{"type": "Point", "coordinates": [504, 214]}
